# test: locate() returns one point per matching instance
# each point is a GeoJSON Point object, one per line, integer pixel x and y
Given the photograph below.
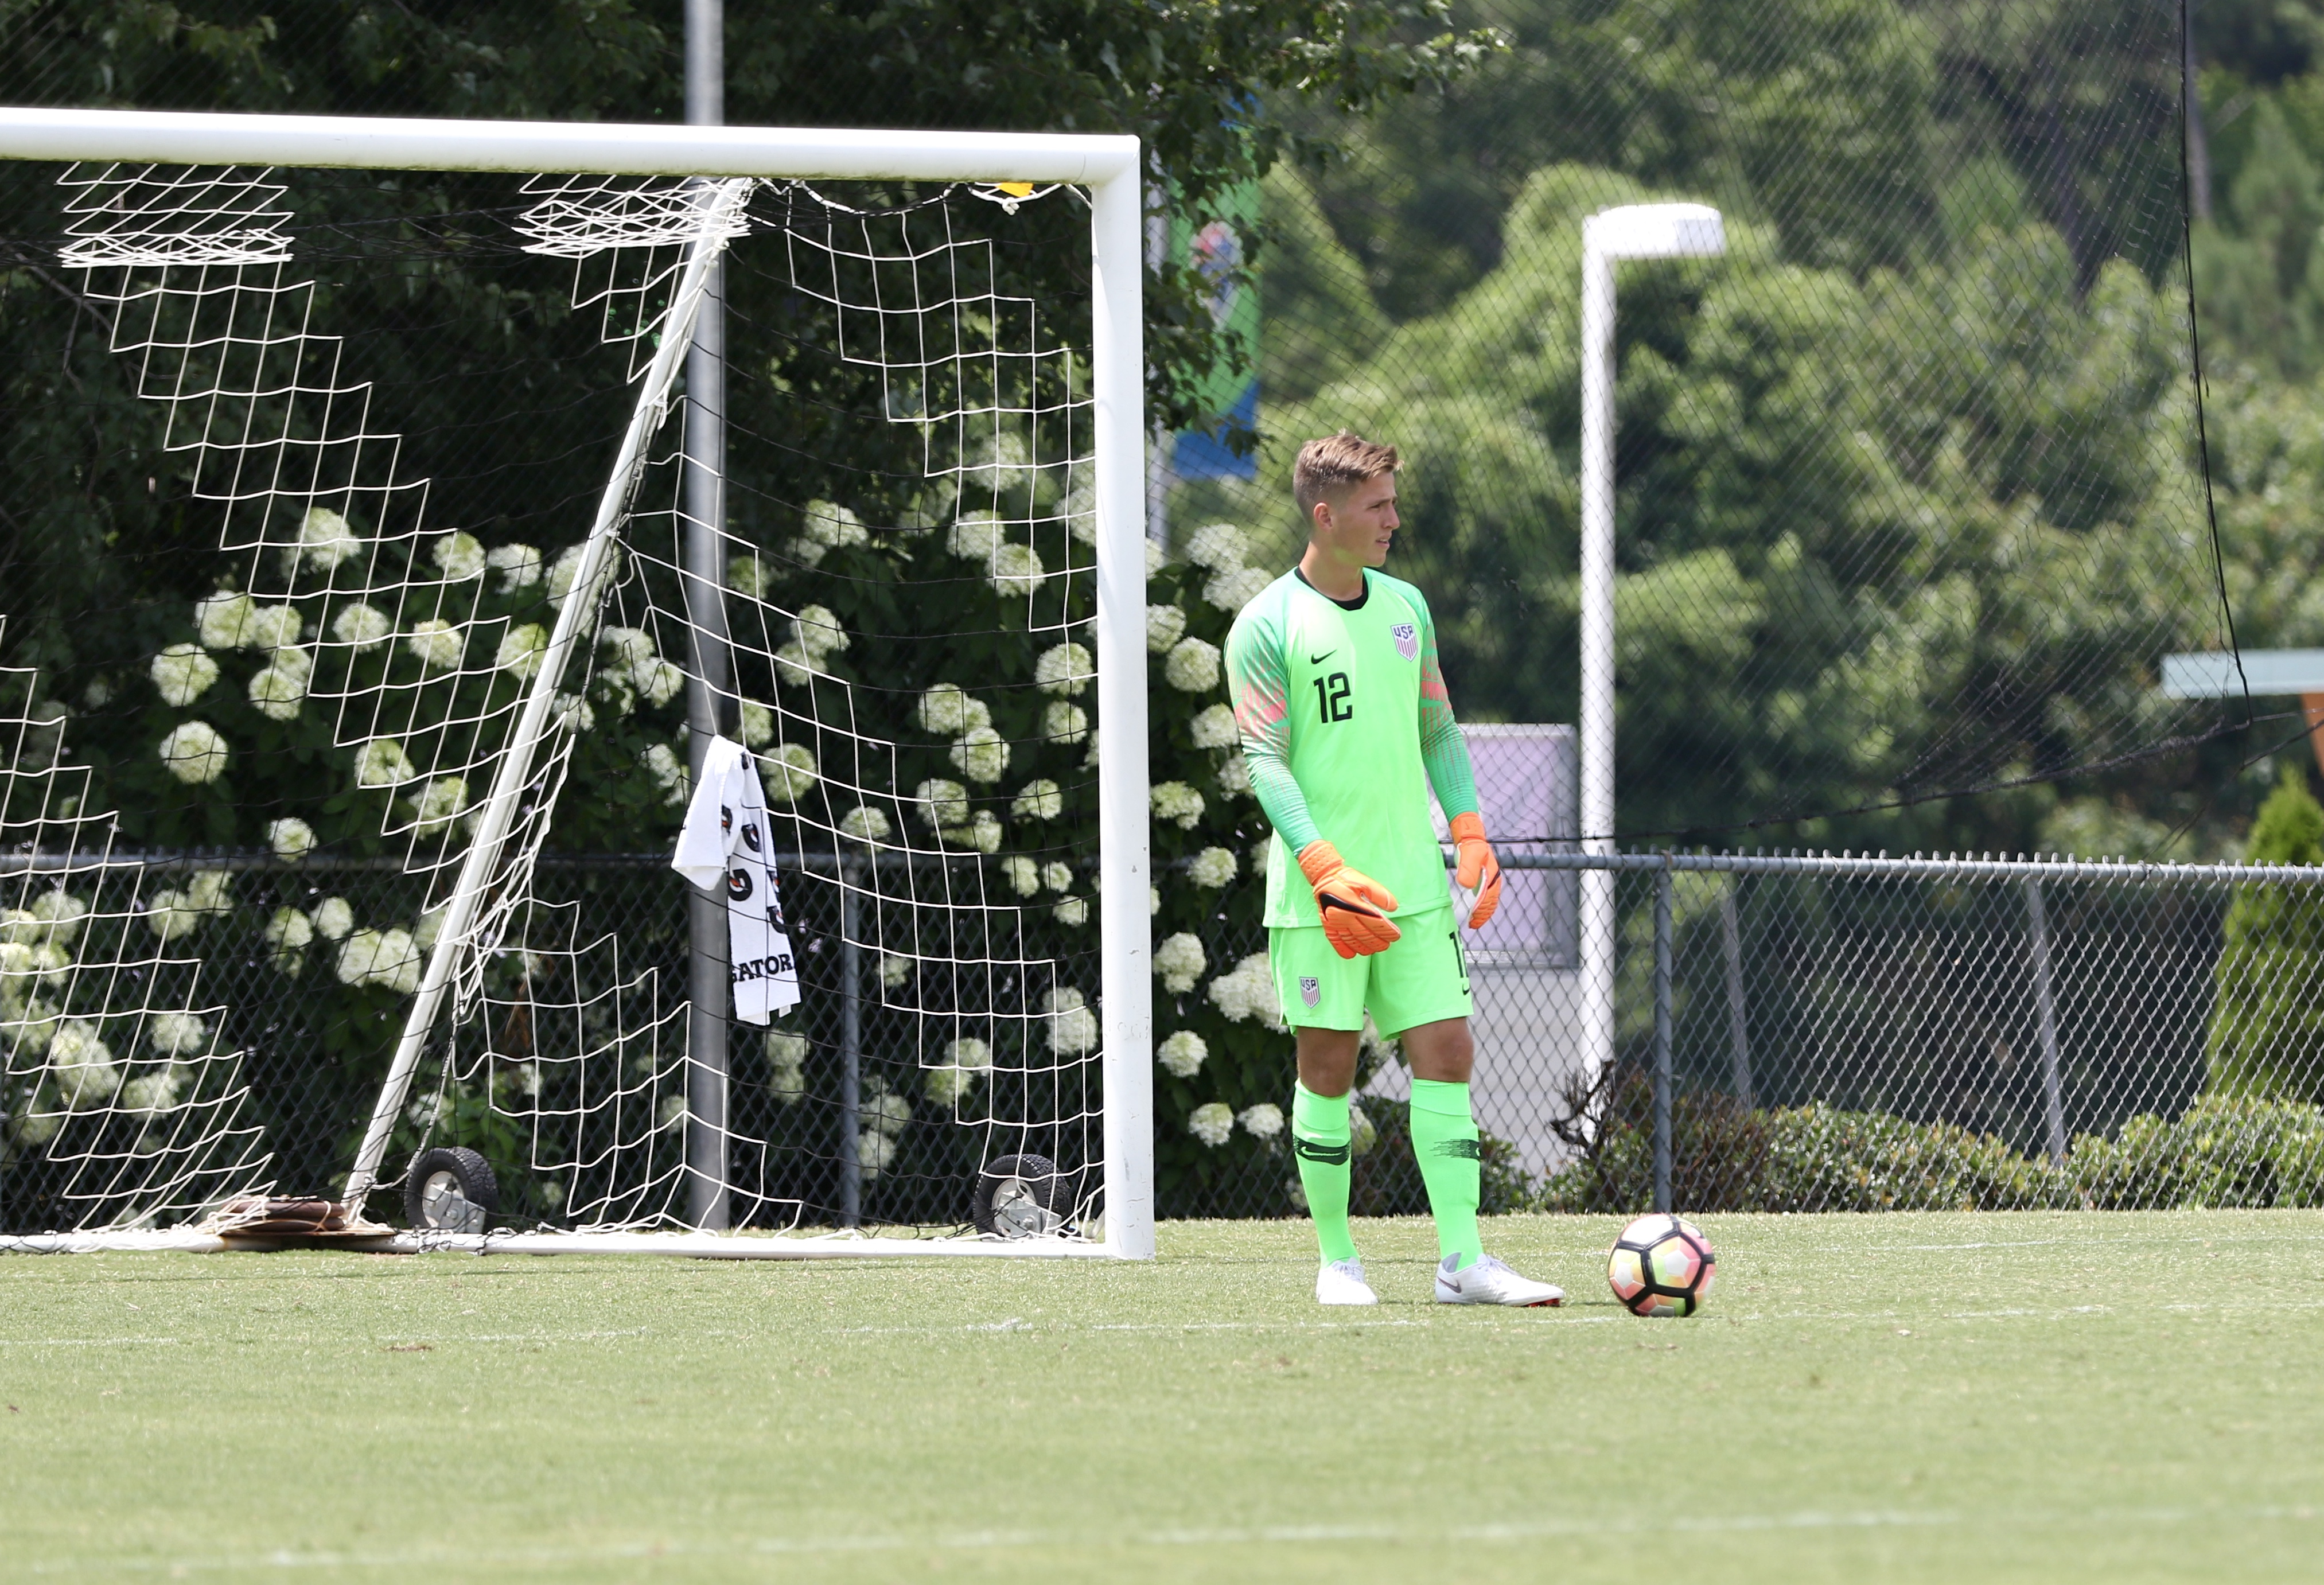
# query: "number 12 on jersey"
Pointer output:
{"type": "Point", "coordinates": [1332, 698]}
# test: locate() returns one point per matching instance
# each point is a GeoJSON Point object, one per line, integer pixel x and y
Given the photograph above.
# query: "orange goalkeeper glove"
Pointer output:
{"type": "Point", "coordinates": [1354, 905]}
{"type": "Point", "coordinates": [1479, 874]}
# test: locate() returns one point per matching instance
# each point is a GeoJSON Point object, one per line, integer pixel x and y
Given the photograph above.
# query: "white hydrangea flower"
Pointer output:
{"type": "Point", "coordinates": [747, 576]}
{"type": "Point", "coordinates": [194, 753]}
{"type": "Point", "coordinates": [521, 650]}
{"type": "Point", "coordinates": [1165, 626]}
{"type": "Point", "coordinates": [1178, 963]}
{"type": "Point", "coordinates": [1183, 1054]}
{"type": "Point", "coordinates": [171, 916]}
{"type": "Point", "coordinates": [1214, 728]}
{"type": "Point", "coordinates": [288, 934]}
{"type": "Point", "coordinates": [947, 1085]}
{"type": "Point", "coordinates": [459, 557]}
{"type": "Point", "coordinates": [1057, 875]}
{"type": "Point", "coordinates": [28, 1036]}
{"type": "Point", "coordinates": [982, 833]}
{"type": "Point", "coordinates": [210, 891]}
{"type": "Point", "coordinates": [1221, 547]}
{"type": "Point", "coordinates": [817, 634]}
{"type": "Point", "coordinates": [875, 1153]}
{"type": "Point", "coordinates": [1213, 868]}
{"type": "Point", "coordinates": [1234, 775]}
{"type": "Point", "coordinates": [1017, 571]}
{"type": "Point", "coordinates": [1362, 1132]}
{"type": "Point", "coordinates": [334, 918]}
{"type": "Point", "coordinates": [787, 769]}
{"type": "Point", "coordinates": [969, 1054]}
{"type": "Point", "coordinates": [757, 724]}
{"type": "Point", "coordinates": [154, 1091]}
{"type": "Point", "coordinates": [657, 681]}
{"type": "Point", "coordinates": [981, 755]}
{"type": "Point", "coordinates": [382, 762]}
{"type": "Point", "coordinates": [1073, 1027]}
{"type": "Point", "coordinates": [517, 565]}
{"type": "Point", "coordinates": [1176, 802]}
{"type": "Point", "coordinates": [626, 648]}
{"type": "Point", "coordinates": [668, 772]}
{"type": "Point", "coordinates": [178, 1034]}
{"type": "Point", "coordinates": [1247, 991]}
{"type": "Point", "coordinates": [431, 925]}
{"type": "Point", "coordinates": [865, 824]}
{"type": "Point", "coordinates": [832, 526]}
{"type": "Point", "coordinates": [58, 916]}
{"type": "Point", "coordinates": [948, 710]}
{"type": "Point", "coordinates": [895, 968]}
{"type": "Point", "coordinates": [567, 567]}
{"type": "Point", "coordinates": [1081, 512]}
{"type": "Point", "coordinates": [290, 838]}
{"type": "Point", "coordinates": [615, 689]}
{"type": "Point", "coordinates": [1212, 1123]}
{"type": "Point", "coordinates": [1153, 558]}
{"type": "Point", "coordinates": [793, 663]}
{"type": "Point", "coordinates": [436, 643]}
{"type": "Point", "coordinates": [273, 627]}
{"type": "Point", "coordinates": [1064, 722]}
{"type": "Point", "coordinates": [52, 964]}
{"type": "Point", "coordinates": [1231, 591]}
{"type": "Point", "coordinates": [279, 691]}
{"type": "Point", "coordinates": [1072, 910]}
{"type": "Point", "coordinates": [1023, 875]}
{"type": "Point", "coordinates": [574, 713]}
{"type": "Point", "coordinates": [82, 1065]}
{"type": "Point", "coordinates": [223, 620]}
{"type": "Point", "coordinates": [1064, 669]}
{"type": "Point", "coordinates": [1041, 800]}
{"type": "Point", "coordinates": [940, 803]}
{"type": "Point", "coordinates": [362, 625]}
{"type": "Point", "coordinates": [326, 540]}
{"type": "Point", "coordinates": [1262, 1121]}
{"type": "Point", "coordinates": [1193, 667]}
{"type": "Point", "coordinates": [439, 803]}
{"type": "Point", "coordinates": [887, 1111]}
{"type": "Point", "coordinates": [183, 673]}
{"type": "Point", "coordinates": [975, 536]}
{"type": "Point", "coordinates": [388, 958]}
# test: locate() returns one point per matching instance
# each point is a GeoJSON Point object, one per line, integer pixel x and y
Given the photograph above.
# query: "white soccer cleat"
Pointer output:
{"type": "Point", "coordinates": [1486, 1281]}
{"type": "Point", "coordinates": [1341, 1282]}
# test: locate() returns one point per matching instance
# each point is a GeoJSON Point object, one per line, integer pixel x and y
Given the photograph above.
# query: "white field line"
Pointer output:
{"type": "Point", "coordinates": [470, 1556]}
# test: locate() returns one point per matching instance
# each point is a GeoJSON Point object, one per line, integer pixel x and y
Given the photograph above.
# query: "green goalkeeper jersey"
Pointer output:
{"type": "Point", "coordinates": [1345, 724]}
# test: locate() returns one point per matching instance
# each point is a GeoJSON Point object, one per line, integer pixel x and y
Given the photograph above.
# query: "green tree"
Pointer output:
{"type": "Point", "coordinates": [2266, 1039]}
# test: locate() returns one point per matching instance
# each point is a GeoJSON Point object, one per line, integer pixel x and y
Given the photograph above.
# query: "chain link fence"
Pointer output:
{"type": "Point", "coordinates": [1775, 1033]}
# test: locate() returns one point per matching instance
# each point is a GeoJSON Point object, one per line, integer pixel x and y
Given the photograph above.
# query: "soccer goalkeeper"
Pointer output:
{"type": "Point", "coordinates": [1342, 710]}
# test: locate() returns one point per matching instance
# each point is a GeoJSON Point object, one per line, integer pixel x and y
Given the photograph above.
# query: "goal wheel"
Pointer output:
{"type": "Point", "coordinates": [1020, 1197]}
{"type": "Point", "coordinates": [450, 1189]}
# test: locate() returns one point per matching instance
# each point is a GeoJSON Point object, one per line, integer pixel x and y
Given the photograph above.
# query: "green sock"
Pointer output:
{"type": "Point", "coordinates": [1319, 1139]}
{"type": "Point", "coordinates": [1444, 1142]}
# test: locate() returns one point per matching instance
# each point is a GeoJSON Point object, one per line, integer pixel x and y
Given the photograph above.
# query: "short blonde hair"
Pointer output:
{"type": "Point", "coordinates": [1328, 467]}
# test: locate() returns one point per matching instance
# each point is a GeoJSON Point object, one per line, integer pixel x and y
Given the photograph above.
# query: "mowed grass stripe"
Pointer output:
{"type": "Point", "coordinates": [1864, 1399]}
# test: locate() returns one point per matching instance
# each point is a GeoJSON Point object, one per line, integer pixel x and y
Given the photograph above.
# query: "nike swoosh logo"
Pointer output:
{"type": "Point", "coordinates": [1319, 660]}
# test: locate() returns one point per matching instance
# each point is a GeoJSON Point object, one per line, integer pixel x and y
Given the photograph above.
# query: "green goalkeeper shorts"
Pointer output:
{"type": "Point", "coordinates": [1422, 978]}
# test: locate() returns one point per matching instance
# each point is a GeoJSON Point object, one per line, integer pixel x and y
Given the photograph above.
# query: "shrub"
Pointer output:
{"type": "Point", "coordinates": [2266, 1037]}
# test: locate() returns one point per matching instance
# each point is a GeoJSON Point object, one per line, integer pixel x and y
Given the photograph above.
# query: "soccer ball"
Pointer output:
{"type": "Point", "coordinates": [1662, 1266]}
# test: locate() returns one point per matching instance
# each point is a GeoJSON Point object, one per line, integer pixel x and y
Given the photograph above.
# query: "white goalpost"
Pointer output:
{"type": "Point", "coordinates": [464, 688]}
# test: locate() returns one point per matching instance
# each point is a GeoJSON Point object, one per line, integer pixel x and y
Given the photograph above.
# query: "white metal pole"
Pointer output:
{"type": "Point", "coordinates": [709, 672]}
{"type": "Point", "coordinates": [1597, 737]}
{"type": "Point", "coordinates": [575, 617]}
{"type": "Point", "coordinates": [1126, 1011]}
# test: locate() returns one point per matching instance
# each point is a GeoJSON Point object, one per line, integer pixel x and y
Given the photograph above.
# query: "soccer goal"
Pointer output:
{"type": "Point", "coordinates": [883, 549]}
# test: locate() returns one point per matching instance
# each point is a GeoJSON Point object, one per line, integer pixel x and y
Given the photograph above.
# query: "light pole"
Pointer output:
{"type": "Point", "coordinates": [1636, 231]}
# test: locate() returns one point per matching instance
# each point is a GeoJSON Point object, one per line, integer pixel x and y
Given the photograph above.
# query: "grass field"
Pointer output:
{"type": "Point", "coordinates": [1964, 1399]}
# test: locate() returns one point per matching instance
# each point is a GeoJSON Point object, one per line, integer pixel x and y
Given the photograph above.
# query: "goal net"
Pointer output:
{"type": "Point", "coordinates": [488, 509]}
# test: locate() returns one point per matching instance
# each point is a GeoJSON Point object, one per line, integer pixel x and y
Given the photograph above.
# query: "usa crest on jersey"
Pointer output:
{"type": "Point", "coordinates": [1310, 990]}
{"type": "Point", "coordinates": [1407, 639]}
